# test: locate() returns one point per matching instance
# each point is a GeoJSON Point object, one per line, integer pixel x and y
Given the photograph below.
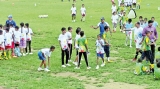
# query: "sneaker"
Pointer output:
{"type": "Point", "coordinates": [69, 60]}
{"type": "Point", "coordinates": [27, 53]}
{"type": "Point", "coordinates": [30, 53]}
{"type": "Point", "coordinates": [88, 68]}
{"type": "Point", "coordinates": [103, 64]}
{"type": "Point", "coordinates": [75, 63]}
{"type": "Point", "coordinates": [97, 67]}
{"type": "Point", "coordinates": [110, 61]}
{"type": "Point", "coordinates": [47, 70]}
{"type": "Point", "coordinates": [134, 59]}
{"type": "Point", "coordinates": [125, 44]}
{"type": "Point", "coordinates": [77, 68]}
{"type": "Point", "coordinates": [24, 54]}
{"type": "Point", "coordinates": [68, 65]}
{"type": "Point", "coordinates": [63, 66]}
{"type": "Point", "coordinates": [40, 69]}
{"type": "Point", "coordinates": [130, 46]}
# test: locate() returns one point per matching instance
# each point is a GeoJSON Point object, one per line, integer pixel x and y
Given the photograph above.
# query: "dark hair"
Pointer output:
{"type": "Point", "coordinates": [63, 28]}
{"type": "Point", "coordinates": [69, 28]}
{"type": "Point", "coordinates": [21, 24]}
{"type": "Point", "coordinates": [27, 25]}
{"type": "Point", "coordinates": [138, 23]}
{"type": "Point", "coordinates": [147, 32]}
{"type": "Point", "coordinates": [78, 30]}
{"type": "Point", "coordinates": [1, 25]}
{"type": "Point", "coordinates": [140, 17]}
{"type": "Point", "coordinates": [152, 18]}
{"type": "Point", "coordinates": [98, 35]}
{"type": "Point", "coordinates": [82, 33]}
{"type": "Point", "coordinates": [129, 20]}
{"type": "Point", "coordinates": [11, 25]}
{"type": "Point", "coordinates": [1, 31]}
{"type": "Point", "coordinates": [158, 48]}
{"type": "Point", "coordinates": [7, 29]}
{"type": "Point", "coordinates": [52, 47]}
{"type": "Point", "coordinates": [150, 21]}
{"type": "Point", "coordinates": [106, 27]}
{"type": "Point", "coordinates": [158, 64]}
{"type": "Point", "coordinates": [145, 18]}
{"type": "Point", "coordinates": [16, 27]}
{"type": "Point", "coordinates": [139, 60]}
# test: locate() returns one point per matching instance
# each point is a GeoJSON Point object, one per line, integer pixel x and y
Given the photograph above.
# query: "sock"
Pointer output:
{"type": "Point", "coordinates": [136, 55]}
{"type": "Point", "coordinates": [108, 58]}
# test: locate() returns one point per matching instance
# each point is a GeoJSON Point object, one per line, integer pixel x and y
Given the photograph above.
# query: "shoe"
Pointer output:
{"type": "Point", "coordinates": [27, 53]}
{"type": "Point", "coordinates": [30, 53]}
{"type": "Point", "coordinates": [40, 69]}
{"type": "Point", "coordinates": [88, 68]}
{"type": "Point", "coordinates": [14, 56]}
{"type": "Point", "coordinates": [110, 61]}
{"type": "Point", "coordinates": [125, 44]}
{"type": "Point", "coordinates": [68, 65]}
{"type": "Point", "coordinates": [75, 63]}
{"type": "Point", "coordinates": [69, 60]}
{"type": "Point", "coordinates": [63, 66]}
{"type": "Point", "coordinates": [77, 68]}
{"type": "Point", "coordinates": [47, 70]}
{"type": "Point", "coordinates": [134, 59]}
{"type": "Point", "coordinates": [24, 54]}
{"type": "Point", "coordinates": [130, 46]}
{"type": "Point", "coordinates": [97, 67]}
{"type": "Point", "coordinates": [103, 64]}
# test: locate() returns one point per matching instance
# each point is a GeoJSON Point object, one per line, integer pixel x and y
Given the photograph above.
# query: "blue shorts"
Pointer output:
{"type": "Point", "coordinates": [40, 55]}
{"type": "Point", "coordinates": [100, 55]}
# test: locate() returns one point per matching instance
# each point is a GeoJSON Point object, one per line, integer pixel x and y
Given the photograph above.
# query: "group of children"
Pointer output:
{"type": "Point", "coordinates": [14, 40]}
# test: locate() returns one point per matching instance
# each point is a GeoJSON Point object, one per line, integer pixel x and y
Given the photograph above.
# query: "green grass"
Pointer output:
{"type": "Point", "coordinates": [21, 73]}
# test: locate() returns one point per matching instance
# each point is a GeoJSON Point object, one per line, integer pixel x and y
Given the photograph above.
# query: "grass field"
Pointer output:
{"type": "Point", "coordinates": [21, 73]}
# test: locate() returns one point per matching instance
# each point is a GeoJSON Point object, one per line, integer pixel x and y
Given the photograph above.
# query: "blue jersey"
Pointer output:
{"type": "Point", "coordinates": [8, 22]}
{"type": "Point", "coordinates": [101, 26]}
{"type": "Point", "coordinates": [128, 26]}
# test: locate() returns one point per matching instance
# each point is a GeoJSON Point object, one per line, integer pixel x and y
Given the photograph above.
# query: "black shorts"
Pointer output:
{"type": "Point", "coordinates": [73, 15]}
{"type": "Point", "coordinates": [134, 3]}
{"type": "Point", "coordinates": [76, 52]}
{"type": "Point", "coordinates": [16, 44]}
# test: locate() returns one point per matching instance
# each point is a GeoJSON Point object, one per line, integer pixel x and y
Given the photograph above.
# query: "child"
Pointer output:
{"type": "Point", "coordinates": [100, 50]}
{"type": "Point", "coordinates": [134, 4]}
{"type": "Point", "coordinates": [147, 49]}
{"type": "Point", "coordinates": [139, 4]}
{"type": "Point", "coordinates": [11, 30]}
{"type": "Point", "coordinates": [157, 71]}
{"type": "Point", "coordinates": [43, 54]}
{"type": "Point", "coordinates": [83, 12]}
{"type": "Point", "coordinates": [128, 26]}
{"type": "Point", "coordinates": [107, 44]}
{"type": "Point", "coordinates": [82, 49]}
{"type": "Point", "coordinates": [17, 36]}
{"type": "Point", "coordinates": [29, 38]}
{"type": "Point", "coordinates": [124, 20]}
{"type": "Point", "coordinates": [1, 44]}
{"type": "Point", "coordinates": [114, 21]}
{"type": "Point", "coordinates": [78, 30]}
{"type": "Point", "coordinates": [140, 69]}
{"type": "Point", "coordinates": [120, 20]}
{"type": "Point", "coordinates": [114, 8]}
{"type": "Point", "coordinates": [69, 41]}
{"type": "Point", "coordinates": [8, 43]}
{"type": "Point", "coordinates": [145, 22]}
{"type": "Point", "coordinates": [73, 13]}
{"type": "Point", "coordinates": [119, 2]}
{"type": "Point", "coordinates": [64, 46]}
{"type": "Point", "coordinates": [23, 38]}
{"type": "Point", "coordinates": [121, 8]}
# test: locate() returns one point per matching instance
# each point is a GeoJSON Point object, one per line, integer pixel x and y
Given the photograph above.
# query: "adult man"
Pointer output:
{"type": "Point", "coordinates": [101, 25]}
{"type": "Point", "coordinates": [153, 37]}
{"type": "Point", "coordinates": [73, 12]}
{"type": "Point", "coordinates": [10, 21]}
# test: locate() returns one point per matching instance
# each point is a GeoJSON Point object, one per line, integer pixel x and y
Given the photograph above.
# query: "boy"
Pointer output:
{"type": "Point", "coordinates": [107, 44]}
{"type": "Point", "coordinates": [78, 30]}
{"type": "Point", "coordinates": [28, 38]}
{"type": "Point", "coordinates": [145, 22]}
{"type": "Point", "coordinates": [43, 54]}
{"type": "Point", "coordinates": [140, 69]}
{"type": "Point", "coordinates": [157, 71]}
{"type": "Point", "coordinates": [119, 2]}
{"type": "Point", "coordinates": [134, 4]}
{"type": "Point", "coordinates": [69, 41]}
{"type": "Point", "coordinates": [100, 50]}
{"type": "Point", "coordinates": [147, 49]}
{"type": "Point", "coordinates": [83, 12]}
{"type": "Point", "coordinates": [1, 44]}
{"type": "Point", "coordinates": [82, 49]}
{"type": "Point", "coordinates": [155, 24]}
{"type": "Point", "coordinates": [17, 36]}
{"type": "Point", "coordinates": [73, 13]}
{"type": "Point", "coordinates": [114, 21]}
{"type": "Point", "coordinates": [64, 46]}
{"type": "Point", "coordinates": [114, 8]}
{"type": "Point", "coordinates": [11, 30]}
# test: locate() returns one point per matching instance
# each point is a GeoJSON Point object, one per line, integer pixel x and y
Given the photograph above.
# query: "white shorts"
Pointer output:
{"type": "Point", "coordinates": [138, 45]}
{"type": "Point", "coordinates": [129, 34]}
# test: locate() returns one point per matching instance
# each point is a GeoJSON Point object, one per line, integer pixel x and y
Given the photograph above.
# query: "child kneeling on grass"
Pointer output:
{"type": "Point", "coordinates": [140, 68]}
{"type": "Point", "coordinates": [43, 54]}
{"type": "Point", "coordinates": [100, 50]}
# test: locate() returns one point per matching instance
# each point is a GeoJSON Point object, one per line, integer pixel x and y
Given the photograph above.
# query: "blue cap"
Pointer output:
{"type": "Point", "coordinates": [9, 16]}
{"type": "Point", "coordinates": [102, 18]}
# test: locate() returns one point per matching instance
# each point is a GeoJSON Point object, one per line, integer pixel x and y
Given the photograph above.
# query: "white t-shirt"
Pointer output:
{"type": "Point", "coordinates": [17, 36]}
{"type": "Point", "coordinates": [23, 33]}
{"type": "Point", "coordinates": [73, 9]}
{"type": "Point", "coordinates": [138, 34]}
{"type": "Point", "coordinates": [83, 10]}
{"type": "Point", "coordinates": [29, 34]}
{"type": "Point", "coordinates": [69, 36]}
{"type": "Point", "coordinates": [46, 52]}
{"type": "Point", "coordinates": [114, 8]}
{"type": "Point", "coordinates": [11, 30]}
{"type": "Point", "coordinates": [63, 41]}
{"type": "Point", "coordinates": [76, 38]}
{"type": "Point", "coordinates": [99, 45]}
{"type": "Point", "coordinates": [114, 18]}
{"type": "Point", "coordinates": [8, 39]}
{"type": "Point", "coordinates": [2, 41]}
{"type": "Point", "coordinates": [134, 1]}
